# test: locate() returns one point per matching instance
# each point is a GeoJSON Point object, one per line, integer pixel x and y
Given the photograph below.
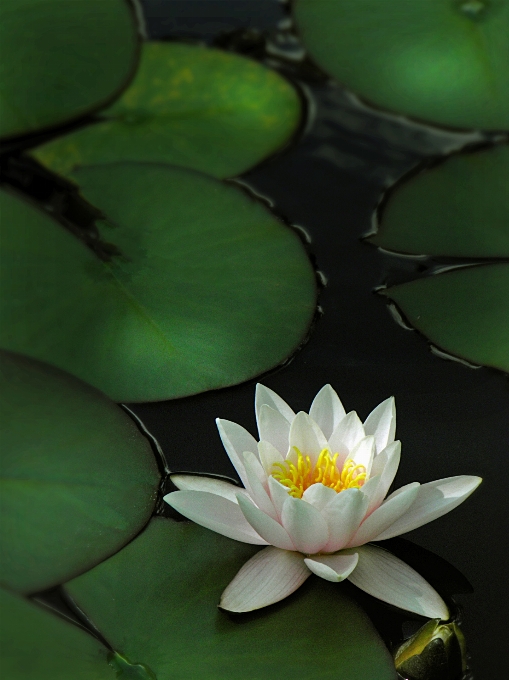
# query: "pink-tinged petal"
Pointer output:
{"type": "Point", "coordinates": [319, 495]}
{"type": "Point", "coordinates": [363, 453]}
{"type": "Point", "coordinates": [327, 410]}
{"type": "Point", "coordinates": [333, 568]}
{"type": "Point", "coordinates": [269, 576]}
{"type": "Point", "coordinates": [343, 516]}
{"type": "Point", "coordinates": [433, 500]}
{"type": "Point", "coordinates": [347, 434]}
{"type": "Point", "coordinates": [218, 487]}
{"type": "Point", "coordinates": [274, 428]}
{"type": "Point", "coordinates": [382, 518]}
{"type": "Point", "coordinates": [306, 436]}
{"type": "Point", "coordinates": [387, 578]}
{"type": "Point", "coordinates": [385, 466]}
{"type": "Point", "coordinates": [278, 493]}
{"type": "Point", "coordinates": [264, 395]}
{"type": "Point", "coordinates": [236, 440]}
{"type": "Point", "coordinates": [305, 525]}
{"type": "Point", "coordinates": [268, 456]}
{"type": "Point", "coordinates": [381, 423]}
{"type": "Point", "coordinates": [270, 530]}
{"type": "Point", "coordinates": [258, 490]}
{"type": "Point", "coordinates": [215, 513]}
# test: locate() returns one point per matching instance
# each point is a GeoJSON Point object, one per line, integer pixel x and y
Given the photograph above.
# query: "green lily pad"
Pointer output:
{"type": "Point", "coordinates": [191, 106]}
{"type": "Point", "coordinates": [62, 59]}
{"type": "Point", "coordinates": [464, 312]}
{"type": "Point", "coordinates": [157, 601]}
{"type": "Point", "coordinates": [77, 479]}
{"type": "Point", "coordinates": [211, 288]}
{"type": "Point", "coordinates": [442, 61]}
{"type": "Point", "coordinates": [460, 208]}
{"type": "Point", "coordinates": [37, 645]}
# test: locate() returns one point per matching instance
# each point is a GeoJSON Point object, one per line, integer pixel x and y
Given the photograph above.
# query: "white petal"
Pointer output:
{"type": "Point", "coordinates": [381, 423]}
{"type": "Point", "coordinates": [216, 513]}
{"type": "Point", "coordinates": [319, 495]}
{"type": "Point", "coordinates": [264, 395]}
{"type": "Point", "coordinates": [270, 530]}
{"type": "Point", "coordinates": [333, 568]}
{"type": "Point", "coordinates": [347, 434]}
{"type": "Point", "coordinates": [307, 437]}
{"type": "Point", "coordinates": [305, 525]}
{"type": "Point", "coordinates": [258, 491]}
{"type": "Point", "coordinates": [327, 410]}
{"type": "Point", "coordinates": [278, 493]}
{"type": "Point", "coordinates": [268, 456]}
{"type": "Point", "coordinates": [343, 516]}
{"type": "Point", "coordinates": [384, 576]}
{"type": "Point", "coordinates": [385, 465]}
{"type": "Point", "coordinates": [236, 440]}
{"type": "Point", "coordinates": [268, 577]}
{"type": "Point", "coordinates": [256, 467]}
{"type": "Point", "coordinates": [363, 453]}
{"type": "Point", "coordinates": [208, 484]}
{"type": "Point", "coordinates": [382, 518]}
{"type": "Point", "coordinates": [433, 500]}
{"type": "Point", "coordinates": [369, 489]}
{"type": "Point", "coordinates": [274, 428]}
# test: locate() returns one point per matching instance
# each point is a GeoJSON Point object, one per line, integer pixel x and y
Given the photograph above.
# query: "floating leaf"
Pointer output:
{"type": "Point", "coordinates": [460, 208]}
{"type": "Point", "coordinates": [210, 291]}
{"type": "Point", "coordinates": [77, 478]}
{"type": "Point", "coordinates": [62, 59]}
{"type": "Point", "coordinates": [464, 312]}
{"type": "Point", "coordinates": [157, 600]}
{"type": "Point", "coordinates": [443, 62]}
{"type": "Point", "coordinates": [37, 645]}
{"type": "Point", "coordinates": [192, 106]}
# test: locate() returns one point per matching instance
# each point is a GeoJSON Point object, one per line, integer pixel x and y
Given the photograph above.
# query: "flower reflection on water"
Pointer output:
{"type": "Point", "coordinates": [315, 493]}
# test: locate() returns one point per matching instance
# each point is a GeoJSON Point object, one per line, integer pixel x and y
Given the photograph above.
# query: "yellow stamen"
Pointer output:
{"type": "Point", "coordinates": [301, 475]}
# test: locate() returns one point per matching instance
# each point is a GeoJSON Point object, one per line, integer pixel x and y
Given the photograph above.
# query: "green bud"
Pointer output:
{"type": "Point", "coordinates": [436, 652]}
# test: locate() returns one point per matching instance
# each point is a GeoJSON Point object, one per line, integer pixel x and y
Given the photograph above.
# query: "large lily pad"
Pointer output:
{"type": "Point", "coordinates": [464, 312]}
{"type": "Point", "coordinates": [157, 600]}
{"type": "Point", "coordinates": [37, 645]}
{"type": "Point", "coordinates": [460, 208]}
{"type": "Point", "coordinates": [62, 59]}
{"type": "Point", "coordinates": [188, 105]}
{"type": "Point", "coordinates": [211, 288]}
{"type": "Point", "coordinates": [77, 479]}
{"type": "Point", "coordinates": [443, 61]}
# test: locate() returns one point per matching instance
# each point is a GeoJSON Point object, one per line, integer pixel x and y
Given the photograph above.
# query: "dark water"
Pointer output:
{"type": "Point", "coordinates": [452, 419]}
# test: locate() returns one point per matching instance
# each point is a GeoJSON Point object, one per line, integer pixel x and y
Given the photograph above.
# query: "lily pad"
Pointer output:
{"type": "Point", "coordinates": [442, 61]}
{"type": "Point", "coordinates": [211, 288]}
{"type": "Point", "coordinates": [38, 645]}
{"type": "Point", "coordinates": [77, 479]}
{"type": "Point", "coordinates": [62, 59]}
{"type": "Point", "coordinates": [460, 209]}
{"type": "Point", "coordinates": [157, 601]}
{"type": "Point", "coordinates": [464, 312]}
{"type": "Point", "coordinates": [192, 106]}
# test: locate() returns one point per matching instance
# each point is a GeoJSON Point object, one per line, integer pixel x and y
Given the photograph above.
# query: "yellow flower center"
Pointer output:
{"type": "Point", "coordinates": [301, 475]}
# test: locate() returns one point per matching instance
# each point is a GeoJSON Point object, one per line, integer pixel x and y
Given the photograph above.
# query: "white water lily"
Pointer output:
{"type": "Point", "coordinates": [315, 493]}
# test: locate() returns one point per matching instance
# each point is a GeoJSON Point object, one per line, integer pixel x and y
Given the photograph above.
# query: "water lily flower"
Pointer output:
{"type": "Point", "coordinates": [315, 494]}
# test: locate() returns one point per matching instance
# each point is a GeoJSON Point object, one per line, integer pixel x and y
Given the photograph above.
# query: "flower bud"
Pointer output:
{"type": "Point", "coordinates": [436, 652]}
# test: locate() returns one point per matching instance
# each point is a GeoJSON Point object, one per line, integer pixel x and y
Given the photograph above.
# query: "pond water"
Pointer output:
{"type": "Point", "coordinates": [452, 419]}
